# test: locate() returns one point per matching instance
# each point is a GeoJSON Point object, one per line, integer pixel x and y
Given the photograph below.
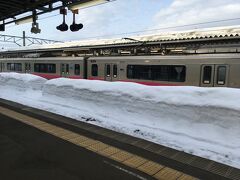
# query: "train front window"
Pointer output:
{"type": "Point", "coordinates": [94, 70]}
{"type": "Point", "coordinates": [77, 69]}
{"type": "Point", "coordinates": [207, 74]}
{"type": "Point", "coordinates": [221, 75]}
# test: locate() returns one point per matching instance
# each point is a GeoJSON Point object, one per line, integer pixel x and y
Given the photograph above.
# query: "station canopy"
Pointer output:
{"type": "Point", "coordinates": [10, 9]}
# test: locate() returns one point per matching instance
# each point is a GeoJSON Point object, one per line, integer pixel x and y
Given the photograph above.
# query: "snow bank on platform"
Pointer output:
{"type": "Point", "coordinates": [128, 92]}
{"type": "Point", "coordinates": [201, 121]}
{"type": "Point", "coordinates": [22, 81]}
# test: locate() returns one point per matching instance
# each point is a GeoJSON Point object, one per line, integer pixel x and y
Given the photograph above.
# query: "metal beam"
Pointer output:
{"type": "Point", "coordinates": [26, 41]}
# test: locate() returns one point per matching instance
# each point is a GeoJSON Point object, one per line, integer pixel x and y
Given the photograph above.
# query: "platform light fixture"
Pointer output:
{"type": "Point", "coordinates": [63, 27]}
{"type": "Point", "coordinates": [82, 5]}
{"type": "Point", "coordinates": [75, 27]}
{"type": "Point", "coordinates": [35, 27]}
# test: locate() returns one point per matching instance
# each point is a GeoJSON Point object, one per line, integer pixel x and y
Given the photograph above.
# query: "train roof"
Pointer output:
{"type": "Point", "coordinates": [152, 57]}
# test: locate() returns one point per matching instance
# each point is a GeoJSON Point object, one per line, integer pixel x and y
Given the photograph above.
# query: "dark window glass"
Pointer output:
{"type": "Point", "coordinates": [14, 66]}
{"type": "Point", "coordinates": [94, 70]}
{"type": "Point", "coordinates": [172, 73]}
{"type": "Point", "coordinates": [77, 69]}
{"type": "Point", "coordinates": [63, 68]}
{"type": "Point", "coordinates": [45, 68]}
{"type": "Point", "coordinates": [115, 70]}
{"type": "Point", "coordinates": [108, 70]}
{"type": "Point", "coordinates": [207, 74]}
{"type": "Point", "coordinates": [221, 75]}
{"type": "Point", "coordinates": [67, 68]}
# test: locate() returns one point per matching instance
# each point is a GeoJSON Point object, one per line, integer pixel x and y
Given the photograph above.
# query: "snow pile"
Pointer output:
{"type": "Point", "coordinates": [126, 93]}
{"type": "Point", "coordinates": [201, 121]}
{"type": "Point", "coordinates": [22, 81]}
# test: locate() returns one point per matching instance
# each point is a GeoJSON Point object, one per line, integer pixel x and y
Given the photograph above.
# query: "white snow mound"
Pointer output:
{"type": "Point", "coordinates": [129, 92]}
{"type": "Point", "coordinates": [22, 81]}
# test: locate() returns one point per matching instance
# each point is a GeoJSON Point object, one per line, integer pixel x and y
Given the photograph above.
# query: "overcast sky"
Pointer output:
{"type": "Point", "coordinates": [124, 16]}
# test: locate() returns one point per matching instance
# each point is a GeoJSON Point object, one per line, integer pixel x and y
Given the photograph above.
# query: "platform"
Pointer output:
{"type": "Point", "coordinates": [87, 151]}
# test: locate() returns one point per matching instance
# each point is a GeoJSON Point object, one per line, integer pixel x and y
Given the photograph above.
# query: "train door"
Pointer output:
{"type": "Point", "coordinates": [27, 67]}
{"type": "Point", "coordinates": [65, 70]}
{"type": "Point", "coordinates": [214, 75]}
{"type": "Point", "coordinates": [111, 72]}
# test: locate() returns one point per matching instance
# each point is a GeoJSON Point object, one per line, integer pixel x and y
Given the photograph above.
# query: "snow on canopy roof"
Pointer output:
{"type": "Point", "coordinates": [163, 36]}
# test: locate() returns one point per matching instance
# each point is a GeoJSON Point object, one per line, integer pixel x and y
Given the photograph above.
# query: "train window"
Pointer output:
{"type": "Point", "coordinates": [45, 68]}
{"type": "Point", "coordinates": [108, 70]}
{"type": "Point", "coordinates": [77, 69]}
{"type": "Point", "coordinates": [62, 68]}
{"type": "Point", "coordinates": [172, 73]}
{"type": "Point", "coordinates": [67, 68]}
{"type": "Point", "coordinates": [94, 70]}
{"type": "Point", "coordinates": [14, 66]}
{"type": "Point", "coordinates": [115, 71]}
{"type": "Point", "coordinates": [207, 74]}
{"type": "Point", "coordinates": [221, 75]}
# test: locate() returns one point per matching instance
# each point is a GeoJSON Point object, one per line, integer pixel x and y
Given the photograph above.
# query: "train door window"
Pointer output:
{"type": "Point", "coordinates": [221, 75]}
{"type": "Point", "coordinates": [94, 70]}
{"type": "Point", "coordinates": [207, 74]}
{"type": "Point", "coordinates": [77, 69]}
{"type": "Point", "coordinates": [115, 71]}
{"type": "Point", "coordinates": [67, 68]}
{"type": "Point", "coordinates": [108, 70]}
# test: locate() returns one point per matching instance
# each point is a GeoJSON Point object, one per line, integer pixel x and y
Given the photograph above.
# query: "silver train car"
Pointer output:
{"type": "Point", "coordinates": [212, 70]}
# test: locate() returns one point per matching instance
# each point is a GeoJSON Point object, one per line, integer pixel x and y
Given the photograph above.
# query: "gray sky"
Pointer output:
{"type": "Point", "coordinates": [125, 16]}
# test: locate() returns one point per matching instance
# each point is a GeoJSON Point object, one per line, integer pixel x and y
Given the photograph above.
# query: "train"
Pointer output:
{"type": "Point", "coordinates": [206, 70]}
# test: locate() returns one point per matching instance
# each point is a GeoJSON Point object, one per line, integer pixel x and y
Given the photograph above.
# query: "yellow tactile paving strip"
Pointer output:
{"type": "Point", "coordinates": [149, 167]}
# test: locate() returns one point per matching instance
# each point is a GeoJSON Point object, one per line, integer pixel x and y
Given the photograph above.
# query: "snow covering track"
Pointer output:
{"type": "Point", "coordinates": [200, 121]}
